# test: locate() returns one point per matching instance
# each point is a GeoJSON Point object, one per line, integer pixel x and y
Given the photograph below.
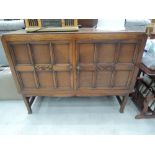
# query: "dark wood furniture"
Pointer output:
{"type": "Point", "coordinates": [144, 90]}
{"type": "Point", "coordinates": [87, 22]}
{"type": "Point", "coordinates": [144, 94]}
{"type": "Point", "coordinates": [84, 63]}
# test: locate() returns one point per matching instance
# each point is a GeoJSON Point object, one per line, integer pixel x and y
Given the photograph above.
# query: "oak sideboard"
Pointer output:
{"type": "Point", "coordinates": [84, 63]}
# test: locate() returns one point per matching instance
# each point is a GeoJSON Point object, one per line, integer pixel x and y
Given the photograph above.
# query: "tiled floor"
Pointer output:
{"type": "Point", "coordinates": [75, 115]}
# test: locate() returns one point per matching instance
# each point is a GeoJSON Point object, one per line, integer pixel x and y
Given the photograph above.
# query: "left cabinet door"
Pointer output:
{"type": "Point", "coordinates": [43, 65]}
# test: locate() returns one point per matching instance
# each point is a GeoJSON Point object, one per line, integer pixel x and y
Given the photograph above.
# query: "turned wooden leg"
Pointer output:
{"type": "Point", "coordinates": [122, 102]}
{"type": "Point", "coordinates": [28, 102]}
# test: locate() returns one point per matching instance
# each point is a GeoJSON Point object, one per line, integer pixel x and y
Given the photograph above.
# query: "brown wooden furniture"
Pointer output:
{"type": "Point", "coordinates": [87, 22]}
{"type": "Point", "coordinates": [144, 91]}
{"type": "Point", "coordinates": [144, 94]}
{"type": "Point", "coordinates": [84, 63]}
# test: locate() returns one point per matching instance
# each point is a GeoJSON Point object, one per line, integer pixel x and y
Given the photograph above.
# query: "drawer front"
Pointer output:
{"type": "Point", "coordinates": [106, 64]}
{"type": "Point", "coordinates": [43, 65]}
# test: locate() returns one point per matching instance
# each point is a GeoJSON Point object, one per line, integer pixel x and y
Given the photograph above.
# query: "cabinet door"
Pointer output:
{"type": "Point", "coordinates": [105, 64]}
{"type": "Point", "coordinates": [43, 65]}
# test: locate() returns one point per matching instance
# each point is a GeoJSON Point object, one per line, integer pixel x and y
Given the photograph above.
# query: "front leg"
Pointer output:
{"type": "Point", "coordinates": [122, 102]}
{"type": "Point", "coordinates": [28, 102]}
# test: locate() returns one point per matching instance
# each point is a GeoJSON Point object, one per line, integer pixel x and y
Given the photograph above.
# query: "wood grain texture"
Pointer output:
{"type": "Point", "coordinates": [84, 63]}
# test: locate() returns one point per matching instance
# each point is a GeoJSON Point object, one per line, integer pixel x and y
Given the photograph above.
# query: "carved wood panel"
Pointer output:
{"type": "Point", "coordinates": [49, 65]}
{"type": "Point", "coordinates": [105, 64]}
{"type": "Point", "coordinates": [43, 65]}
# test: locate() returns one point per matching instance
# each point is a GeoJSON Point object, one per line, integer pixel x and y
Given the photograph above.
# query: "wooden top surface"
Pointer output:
{"type": "Point", "coordinates": [80, 31]}
{"type": "Point", "coordinates": [83, 33]}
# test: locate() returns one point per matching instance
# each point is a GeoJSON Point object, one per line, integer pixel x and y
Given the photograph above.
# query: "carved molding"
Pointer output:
{"type": "Point", "coordinates": [100, 67]}
{"type": "Point", "coordinates": [96, 67]}
{"type": "Point", "coordinates": [43, 67]}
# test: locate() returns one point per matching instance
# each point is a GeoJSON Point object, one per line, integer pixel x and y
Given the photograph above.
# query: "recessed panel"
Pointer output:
{"type": "Point", "coordinates": [105, 52]}
{"type": "Point", "coordinates": [126, 54]}
{"type": "Point", "coordinates": [85, 79]}
{"type": "Point", "coordinates": [20, 54]}
{"type": "Point", "coordinates": [86, 53]}
{"type": "Point", "coordinates": [103, 79]}
{"type": "Point", "coordinates": [45, 79]}
{"type": "Point", "coordinates": [61, 53]}
{"type": "Point", "coordinates": [121, 78]}
{"type": "Point", "coordinates": [41, 53]}
{"type": "Point", "coordinates": [27, 79]}
{"type": "Point", "coordinates": [63, 80]}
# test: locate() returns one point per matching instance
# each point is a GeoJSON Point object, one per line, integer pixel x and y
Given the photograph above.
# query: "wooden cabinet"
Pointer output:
{"type": "Point", "coordinates": [105, 64]}
{"type": "Point", "coordinates": [43, 65]}
{"type": "Point", "coordinates": [84, 63]}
